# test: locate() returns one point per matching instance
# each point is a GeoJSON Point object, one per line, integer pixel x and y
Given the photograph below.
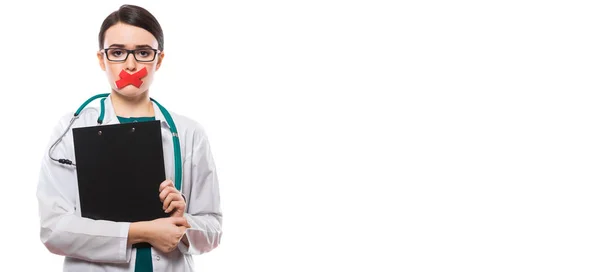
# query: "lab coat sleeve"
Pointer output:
{"type": "Point", "coordinates": [62, 230]}
{"type": "Point", "coordinates": [203, 210]}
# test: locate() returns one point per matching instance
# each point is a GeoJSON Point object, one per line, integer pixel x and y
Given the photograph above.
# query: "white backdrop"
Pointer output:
{"type": "Point", "coordinates": [348, 135]}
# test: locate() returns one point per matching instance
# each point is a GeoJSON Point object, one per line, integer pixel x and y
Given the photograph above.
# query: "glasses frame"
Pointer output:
{"type": "Point", "coordinates": [130, 52]}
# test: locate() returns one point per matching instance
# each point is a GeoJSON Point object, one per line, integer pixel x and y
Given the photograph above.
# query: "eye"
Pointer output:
{"type": "Point", "coordinates": [143, 53]}
{"type": "Point", "coordinates": [116, 52]}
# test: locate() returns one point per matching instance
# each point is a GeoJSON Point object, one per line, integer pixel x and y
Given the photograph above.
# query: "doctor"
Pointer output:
{"type": "Point", "coordinates": [131, 51]}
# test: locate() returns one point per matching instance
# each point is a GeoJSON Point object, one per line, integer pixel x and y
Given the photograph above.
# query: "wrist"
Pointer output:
{"type": "Point", "coordinates": [138, 233]}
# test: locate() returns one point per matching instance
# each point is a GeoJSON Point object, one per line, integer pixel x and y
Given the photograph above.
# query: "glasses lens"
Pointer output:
{"type": "Point", "coordinates": [144, 54]}
{"type": "Point", "coordinates": [116, 54]}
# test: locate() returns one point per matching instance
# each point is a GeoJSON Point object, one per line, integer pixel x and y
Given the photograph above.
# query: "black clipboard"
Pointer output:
{"type": "Point", "coordinates": [119, 170]}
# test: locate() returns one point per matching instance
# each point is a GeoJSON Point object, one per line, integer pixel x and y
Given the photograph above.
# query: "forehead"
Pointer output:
{"type": "Point", "coordinates": [129, 36]}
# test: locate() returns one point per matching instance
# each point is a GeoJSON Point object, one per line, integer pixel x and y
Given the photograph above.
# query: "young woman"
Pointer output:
{"type": "Point", "coordinates": [131, 51]}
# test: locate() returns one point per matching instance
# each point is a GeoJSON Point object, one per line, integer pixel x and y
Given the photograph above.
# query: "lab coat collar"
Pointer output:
{"type": "Point", "coordinates": [110, 115]}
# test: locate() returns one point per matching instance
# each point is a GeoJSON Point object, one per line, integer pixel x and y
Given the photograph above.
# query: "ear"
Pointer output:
{"type": "Point", "coordinates": [101, 60]}
{"type": "Point", "coordinates": [160, 58]}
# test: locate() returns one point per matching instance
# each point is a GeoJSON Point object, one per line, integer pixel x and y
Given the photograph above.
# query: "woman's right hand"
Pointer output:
{"type": "Point", "coordinates": [165, 233]}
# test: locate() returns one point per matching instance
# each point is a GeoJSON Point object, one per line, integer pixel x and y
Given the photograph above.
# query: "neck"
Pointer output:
{"type": "Point", "coordinates": [139, 106]}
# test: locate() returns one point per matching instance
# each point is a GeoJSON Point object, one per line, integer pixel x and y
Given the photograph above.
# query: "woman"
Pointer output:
{"type": "Point", "coordinates": [131, 51]}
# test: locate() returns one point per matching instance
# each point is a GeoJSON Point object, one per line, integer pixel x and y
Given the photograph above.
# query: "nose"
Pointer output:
{"type": "Point", "coordinates": [130, 63]}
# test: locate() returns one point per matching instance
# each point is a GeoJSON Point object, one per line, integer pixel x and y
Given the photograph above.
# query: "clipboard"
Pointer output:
{"type": "Point", "coordinates": [119, 170]}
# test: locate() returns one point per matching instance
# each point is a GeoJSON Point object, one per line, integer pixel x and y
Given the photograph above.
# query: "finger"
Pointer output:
{"type": "Point", "coordinates": [168, 200]}
{"type": "Point", "coordinates": [180, 221]}
{"type": "Point", "coordinates": [175, 205]}
{"type": "Point", "coordinates": [163, 194]}
{"type": "Point", "coordinates": [165, 184]}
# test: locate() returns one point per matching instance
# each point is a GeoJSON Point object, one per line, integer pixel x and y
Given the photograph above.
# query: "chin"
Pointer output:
{"type": "Point", "coordinates": [131, 91]}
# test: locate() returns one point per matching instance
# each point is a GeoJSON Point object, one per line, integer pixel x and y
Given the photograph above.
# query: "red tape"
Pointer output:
{"type": "Point", "coordinates": [133, 79]}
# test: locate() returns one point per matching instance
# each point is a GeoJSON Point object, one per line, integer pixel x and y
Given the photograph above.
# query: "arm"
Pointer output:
{"type": "Point", "coordinates": [62, 230]}
{"type": "Point", "coordinates": [138, 233]}
{"type": "Point", "coordinates": [203, 210]}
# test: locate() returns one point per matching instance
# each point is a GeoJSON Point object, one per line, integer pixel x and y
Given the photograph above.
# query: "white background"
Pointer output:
{"type": "Point", "coordinates": [348, 135]}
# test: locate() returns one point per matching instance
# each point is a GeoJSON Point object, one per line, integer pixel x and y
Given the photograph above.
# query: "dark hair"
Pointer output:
{"type": "Point", "coordinates": [135, 16]}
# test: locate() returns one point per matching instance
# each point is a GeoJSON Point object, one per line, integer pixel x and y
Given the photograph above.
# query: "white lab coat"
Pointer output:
{"type": "Point", "coordinates": [98, 245]}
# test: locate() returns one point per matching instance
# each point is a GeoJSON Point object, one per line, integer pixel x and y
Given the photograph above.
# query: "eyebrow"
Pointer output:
{"type": "Point", "coordinates": [117, 45]}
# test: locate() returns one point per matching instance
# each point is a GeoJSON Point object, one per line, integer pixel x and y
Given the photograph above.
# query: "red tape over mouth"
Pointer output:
{"type": "Point", "coordinates": [133, 79]}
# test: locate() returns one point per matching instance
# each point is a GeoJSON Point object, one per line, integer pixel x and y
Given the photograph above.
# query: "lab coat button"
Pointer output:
{"type": "Point", "coordinates": [157, 258]}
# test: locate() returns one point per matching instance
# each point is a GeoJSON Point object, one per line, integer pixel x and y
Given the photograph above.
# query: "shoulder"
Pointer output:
{"type": "Point", "coordinates": [87, 116]}
{"type": "Point", "coordinates": [188, 126]}
{"type": "Point", "coordinates": [65, 119]}
{"type": "Point", "coordinates": [192, 135]}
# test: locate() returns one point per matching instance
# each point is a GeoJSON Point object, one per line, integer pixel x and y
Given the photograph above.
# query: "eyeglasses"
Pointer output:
{"type": "Point", "coordinates": [121, 54]}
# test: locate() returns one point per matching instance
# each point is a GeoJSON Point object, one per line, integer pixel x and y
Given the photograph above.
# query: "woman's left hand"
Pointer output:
{"type": "Point", "coordinates": [172, 199]}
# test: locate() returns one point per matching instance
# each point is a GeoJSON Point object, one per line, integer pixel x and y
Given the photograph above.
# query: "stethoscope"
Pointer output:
{"type": "Point", "coordinates": [169, 119]}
